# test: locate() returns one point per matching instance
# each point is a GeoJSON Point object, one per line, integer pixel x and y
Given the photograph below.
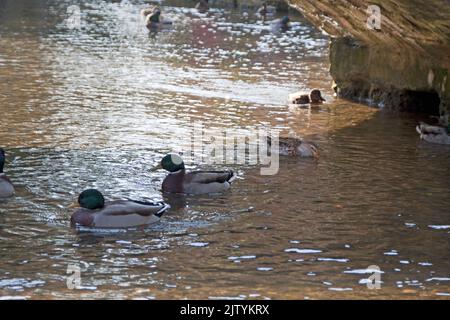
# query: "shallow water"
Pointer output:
{"type": "Point", "coordinates": [98, 107]}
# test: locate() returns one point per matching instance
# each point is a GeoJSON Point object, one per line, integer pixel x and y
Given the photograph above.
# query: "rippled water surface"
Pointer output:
{"type": "Point", "coordinates": [98, 107]}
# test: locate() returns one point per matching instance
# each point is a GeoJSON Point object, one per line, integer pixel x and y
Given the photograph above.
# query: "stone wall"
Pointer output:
{"type": "Point", "coordinates": [404, 65]}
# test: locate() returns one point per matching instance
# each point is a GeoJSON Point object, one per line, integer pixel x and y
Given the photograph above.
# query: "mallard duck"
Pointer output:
{"type": "Point", "coordinates": [199, 182]}
{"type": "Point", "coordinates": [202, 6]}
{"type": "Point", "coordinates": [6, 186]}
{"type": "Point", "coordinates": [281, 24]}
{"type": "Point", "coordinates": [314, 97]}
{"type": "Point", "coordinates": [153, 19]}
{"type": "Point", "coordinates": [295, 147]}
{"type": "Point", "coordinates": [95, 212]}
{"type": "Point", "coordinates": [266, 10]}
{"type": "Point", "coordinates": [434, 134]}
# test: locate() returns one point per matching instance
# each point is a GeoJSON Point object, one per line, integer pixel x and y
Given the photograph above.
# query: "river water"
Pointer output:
{"type": "Point", "coordinates": [100, 105]}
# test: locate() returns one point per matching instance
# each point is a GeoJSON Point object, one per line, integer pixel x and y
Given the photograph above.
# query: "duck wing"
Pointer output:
{"type": "Point", "coordinates": [205, 177]}
{"type": "Point", "coordinates": [290, 141]}
{"type": "Point", "coordinates": [308, 149]}
{"type": "Point", "coordinates": [126, 214]}
{"type": "Point", "coordinates": [299, 98]}
{"type": "Point", "coordinates": [436, 138]}
{"type": "Point", "coordinates": [433, 134]}
{"type": "Point", "coordinates": [424, 128]}
{"type": "Point", "coordinates": [128, 207]}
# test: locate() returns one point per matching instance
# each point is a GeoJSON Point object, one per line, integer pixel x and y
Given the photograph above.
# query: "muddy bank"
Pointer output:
{"type": "Point", "coordinates": [401, 63]}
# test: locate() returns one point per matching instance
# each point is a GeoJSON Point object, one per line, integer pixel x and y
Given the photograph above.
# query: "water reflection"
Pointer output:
{"type": "Point", "coordinates": [98, 107]}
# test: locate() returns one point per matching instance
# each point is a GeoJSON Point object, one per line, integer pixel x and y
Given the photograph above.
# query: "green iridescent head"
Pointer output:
{"type": "Point", "coordinates": [91, 199]}
{"type": "Point", "coordinates": [154, 17]}
{"type": "Point", "coordinates": [172, 162]}
{"type": "Point", "coordinates": [285, 20]}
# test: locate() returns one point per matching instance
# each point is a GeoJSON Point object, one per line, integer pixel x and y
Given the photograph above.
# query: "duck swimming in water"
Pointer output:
{"type": "Point", "coordinates": [314, 97]}
{"type": "Point", "coordinates": [434, 134]}
{"type": "Point", "coordinates": [282, 24]}
{"type": "Point", "coordinates": [95, 212]}
{"type": "Point", "coordinates": [198, 182]}
{"type": "Point", "coordinates": [153, 18]}
{"type": "Point", "coordinates": [6, 186]}
{"type": "Point", "coordinates": [295, 147]}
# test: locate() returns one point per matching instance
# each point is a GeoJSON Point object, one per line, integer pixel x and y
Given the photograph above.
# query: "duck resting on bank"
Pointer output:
{"type": "Point", "coordinates": [95, 212]}
{"type": "Point", "coordinates": [314, 97]}
{"type": "Point", "coordinates": [434, 134]}
{"type": "Point", "coordinates": [6, 186]}
{"type": "Point", "coordinates": [199, 182]}
{"type": "Point", "coordinates": [295, 147]}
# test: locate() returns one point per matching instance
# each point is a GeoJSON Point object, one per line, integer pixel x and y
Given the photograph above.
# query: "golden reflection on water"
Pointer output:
{"type": "Point", "coordinates": [98, 108]}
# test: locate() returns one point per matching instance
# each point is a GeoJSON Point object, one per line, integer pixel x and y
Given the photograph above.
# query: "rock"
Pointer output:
{"type": "Point", "coordinates": [404, 65]}
{"type": "Point", "coordinates": [400, 79]}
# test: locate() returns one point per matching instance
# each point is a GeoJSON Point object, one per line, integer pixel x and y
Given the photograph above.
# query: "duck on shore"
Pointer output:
{"type": "Point", "coordinates": [199, 182]}
{"type": "Point", "coordinates": [314, 97]}
{"type": "Point", "coordinates": [295, 147]}
{"type": "Point", "coordinates": [6, 186]}
{"type": "Point", "coordinates": [95, 212]}
{"type": "Point", "coordinates": [434, 134]}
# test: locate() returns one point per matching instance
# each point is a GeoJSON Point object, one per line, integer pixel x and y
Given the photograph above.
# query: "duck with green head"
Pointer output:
{"type": "Point", "coordinates": [6, 186]}
{"type": "Point", "coordinates": [282, 24]}
{"type": "Point", "coordinates": [95, 212]}
{"type": "Point", "coordinates": [155, 15]}
{"type": "Point", "coordinates": [434, 134]}
{"type": "Point", "coordinates": [199, 182]}
{"type": "Point", "coordinates": [153, 19]}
